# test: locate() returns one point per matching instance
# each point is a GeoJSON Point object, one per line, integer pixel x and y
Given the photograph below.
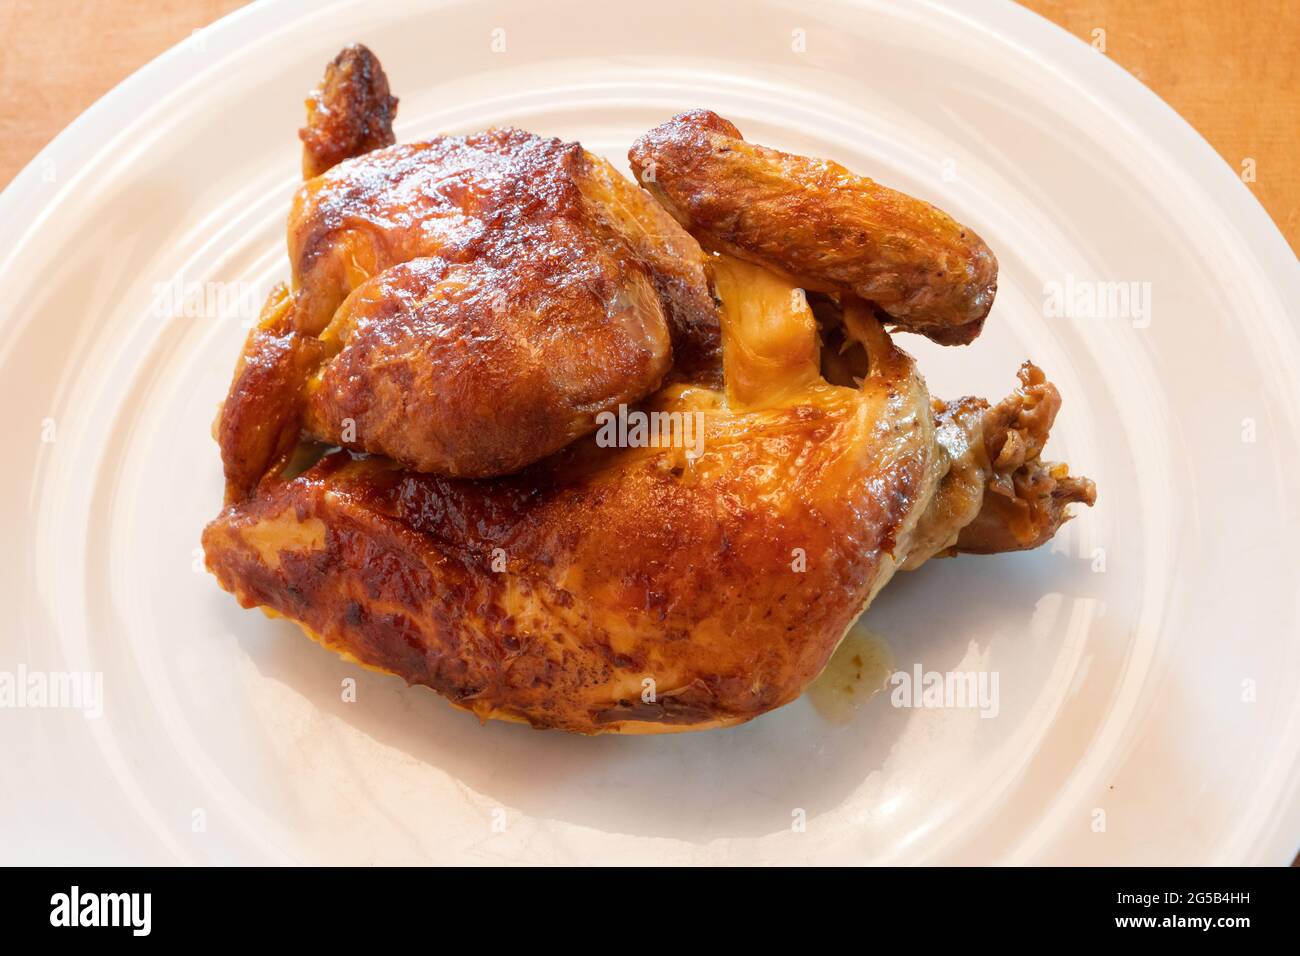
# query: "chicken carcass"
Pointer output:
{"type": "Point", "coordinates": [645, 587]}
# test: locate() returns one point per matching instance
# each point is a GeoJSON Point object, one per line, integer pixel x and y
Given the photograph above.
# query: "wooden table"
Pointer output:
{"type": "Point", "coordinates": [1231, 67]}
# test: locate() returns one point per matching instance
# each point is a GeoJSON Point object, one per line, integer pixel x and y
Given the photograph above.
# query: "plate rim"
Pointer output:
{"type": "Point", "coordinates": [25, 205]}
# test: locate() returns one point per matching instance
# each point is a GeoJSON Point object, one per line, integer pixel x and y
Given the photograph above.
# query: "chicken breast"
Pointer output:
{"type": "Point", "coordinates": [819, 224]}
{"type": "Point", "coordinates": [470, 369]}
{"type": "Point", "coordinates": [493, 196]}
{"type": "Point", "coordinates": [465, 305]}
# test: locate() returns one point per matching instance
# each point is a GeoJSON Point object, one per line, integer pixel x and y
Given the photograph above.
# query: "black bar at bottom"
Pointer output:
{"type": "Point", "coordinates": [339, 905]}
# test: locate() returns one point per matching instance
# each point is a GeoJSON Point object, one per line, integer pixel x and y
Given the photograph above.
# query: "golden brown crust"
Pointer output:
{"type": "Point", "coordinates": [571, 283]}
{"type": "Point", "coordinates": [349, 114]}
{"type": "Point", "coordinates": [259, 423]}
{"type": "Point", "coordinates": [494, 196]}
{"type": "Point", "coordinates": [467, 304]}
{"type": "Point", "coordinates": [676, 263]}
{"type": "Point", "coordinates": [612, 565]}
{"type": "Point", "coordinates": [468, 370]}
{"type": "Point", "coordinates": [821, 225]}
{"type": "Point", "coordinates": [551, 596]}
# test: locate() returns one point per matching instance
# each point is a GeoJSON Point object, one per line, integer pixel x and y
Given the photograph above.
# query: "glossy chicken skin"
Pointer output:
{"type": "Point", "coordinates": [492, 196]}
{"type": "Point", "coordinates": [821, 225]}
{"type": "Point", "coordinates": [349, 114]}
{"type": "Point", "coordinates": [464, 305]}
{"type": "Point", "coordinates": [607, 589]}
{"type": "Point", "coordinates": [538, 304]}
{"type": "Point", "coordinates": [635, 590]}
{"type": "Point", "coordinates": [260, 423]}
{"type": "Point", "coordinates": [648, 589]}
{"type": "Point", "coordinates": [470, 369]}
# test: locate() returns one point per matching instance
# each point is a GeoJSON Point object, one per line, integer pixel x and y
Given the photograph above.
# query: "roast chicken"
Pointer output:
{"type": "Point", "coordinates": [417, 473]}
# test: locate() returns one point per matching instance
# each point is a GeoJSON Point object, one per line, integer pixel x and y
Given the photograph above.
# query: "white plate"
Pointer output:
{"type": "Point", "coordinates": [1148, 661]}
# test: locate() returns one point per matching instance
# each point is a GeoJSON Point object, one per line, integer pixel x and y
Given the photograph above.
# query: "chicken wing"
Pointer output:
{"type": "Point", "coordinates": [349, 114]}
{"type": "Point", "coordinates": [819, 224]}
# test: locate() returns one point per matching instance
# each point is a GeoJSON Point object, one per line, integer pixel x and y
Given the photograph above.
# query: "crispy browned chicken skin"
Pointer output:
{"type": "Point", "coordinates": [542, 315]}
{"type": "Point", "coordinates": [552, 595]}
{"type": "Point", "coordinates": [468, 369]}
{"type": "Point", "coordinates": [350, 113]}
{"type": "Point", "coordinates": [628, 589]}
{"type": "Point", "coordinates": [821, 225]}
{"type": "Point", "coordinates": [505, 309]}
{"type": "Point", "coordinates": [548, 289]}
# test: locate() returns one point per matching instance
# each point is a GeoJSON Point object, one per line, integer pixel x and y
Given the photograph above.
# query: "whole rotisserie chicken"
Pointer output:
{"type": "Point", "coordinates": [467, 311]}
